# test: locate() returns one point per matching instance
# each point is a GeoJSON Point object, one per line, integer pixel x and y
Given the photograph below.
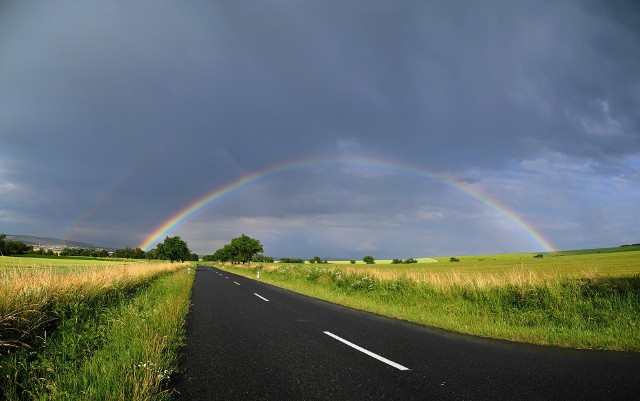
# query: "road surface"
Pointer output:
{"type": "Point", "coordinates": [247, 340]}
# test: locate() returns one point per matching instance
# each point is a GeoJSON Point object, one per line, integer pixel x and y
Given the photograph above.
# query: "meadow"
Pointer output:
{"type": "Point", "coordinates": [90, 329]}
{"type": "Point", "coordinates": [580, 299]}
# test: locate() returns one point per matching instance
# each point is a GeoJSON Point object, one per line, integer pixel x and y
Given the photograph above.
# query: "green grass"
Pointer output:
{"type": "Point", "coordinates": [380, 261]}
{"type": "Point", "coordinates": [570, 264]}
{"type": "Point", "coordinates": [23, 262]}
{"type": "Point", "coordinates": [580, 300]}
{"type": "Point", "coordinates": [118, 344]}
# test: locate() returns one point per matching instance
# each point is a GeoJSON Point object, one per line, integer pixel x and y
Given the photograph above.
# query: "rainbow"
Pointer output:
{"type": "Point", "coordinates": [249, 178]}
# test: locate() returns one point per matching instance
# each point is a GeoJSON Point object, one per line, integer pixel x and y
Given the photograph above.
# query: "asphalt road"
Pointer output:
{"type": "Point", "coordinates": [247, 340]}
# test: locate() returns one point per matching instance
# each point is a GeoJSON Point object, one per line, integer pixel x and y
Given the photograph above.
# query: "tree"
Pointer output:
{"type": "Point", "coordinates": [315, 259]}
{"type": "Point", "coordinates": [174, 248]}
{"type": "Point", "coordinates": [261, 258]}
{"type": "Point", "coordinates": [228, 254]}
{"type": "Point", "coordinates": [291, 260]}
{"type": "Point", "coordinates": [129, 253]}
{"type": "Point", "coordinates": [16, 248]}
{"type": "Point", "coordinates": [369, 260]}
{"type": "Point", "coordinates": [101, 253]}
{"type": "Point", "coordinates": [245, 248]}
{"type": "Point", "coordinates": [152, 254]}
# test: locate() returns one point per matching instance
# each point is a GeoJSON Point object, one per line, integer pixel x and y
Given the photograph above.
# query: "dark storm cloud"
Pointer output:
{"type": "Point", "coordinates": [127, 112]}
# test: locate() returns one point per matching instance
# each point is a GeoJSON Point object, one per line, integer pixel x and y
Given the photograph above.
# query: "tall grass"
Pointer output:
{"type": "Point", "coordinates": [34, 297]}
{"type": "Point", "coordinates": [115, 335]}
{"type": "Point", "coordinates": [593, 311]}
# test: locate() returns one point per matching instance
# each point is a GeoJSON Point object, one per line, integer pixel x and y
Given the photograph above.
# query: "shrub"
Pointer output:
{"type": "Point", "coordinates": [315, 273]}
{"type": "Point", "coordinates": [453, 259]}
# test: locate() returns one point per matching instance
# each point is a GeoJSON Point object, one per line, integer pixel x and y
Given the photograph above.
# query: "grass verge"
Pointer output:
{"type": "Point", "coordinates": [118, 343]}
{"type": "Point", "coordinates": [593, 311]}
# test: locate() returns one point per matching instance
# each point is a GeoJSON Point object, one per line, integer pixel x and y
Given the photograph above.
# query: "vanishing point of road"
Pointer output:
{"type": "Point", "coordinates": [247, 340]}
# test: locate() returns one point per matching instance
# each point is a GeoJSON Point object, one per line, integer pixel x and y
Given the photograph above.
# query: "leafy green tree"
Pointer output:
{"type": "Point", "coordinates": [353, 261]}
{"type": "Point", "coordinates": [229, 254]}
{"type": "Point", "coordinates": [152, 254]}
{"type": "Point", "coordinates": [138, 253]}
{"type": "Point", "coordinates": [16, 248]}
{"type": "Point", "coordinates": [245, 248]}
{"type": "Point", "coordinates": [100, 253]}
{"type": "Point", "coordinates": [315, 259]}
{"type": "Point", "coordinates": [174, 248]}
{"type": "Point", "coordinates": [262, 258]}
{"type": "Point", "coordinates": [369, 260]}
{"type": "Point", "coordinates": [291, 260]}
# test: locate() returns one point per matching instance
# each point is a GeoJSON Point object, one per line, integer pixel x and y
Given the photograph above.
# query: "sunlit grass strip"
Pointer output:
{"type": "Point", "coordinates": [30, 298]}
{"type": "Point", "coordinates": [126, 351]}
{"type": "Point", "coordinates": [595, 311]}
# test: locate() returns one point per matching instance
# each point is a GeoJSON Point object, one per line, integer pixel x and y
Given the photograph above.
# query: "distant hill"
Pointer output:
{"type": "Point", "coordinates": [51, 242]}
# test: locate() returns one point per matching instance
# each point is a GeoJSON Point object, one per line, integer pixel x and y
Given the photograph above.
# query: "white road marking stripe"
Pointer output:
{"type": "Point", "coordinates": [236, 283]}
{"type": "Point", "coordinates": [371, 354]}
{"type": "Point", "coordinates": [261, 297]}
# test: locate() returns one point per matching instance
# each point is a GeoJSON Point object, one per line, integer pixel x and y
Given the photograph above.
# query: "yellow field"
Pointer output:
{"type": "Point", "coordinates": [615, 264]}
{"type": "Point", "coordinates": [516, 269]}
{"type": "Point", "coordinates": [29, 287]}
{"type": "Point", "coordinates": [26, 262]}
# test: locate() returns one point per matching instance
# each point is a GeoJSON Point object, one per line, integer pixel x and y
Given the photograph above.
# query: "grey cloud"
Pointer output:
{"type": "Point", "coordinates": [130, 111]}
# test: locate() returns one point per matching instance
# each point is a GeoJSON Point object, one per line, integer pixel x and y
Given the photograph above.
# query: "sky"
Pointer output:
{"type": "Point", "coordinates": [394, 129]}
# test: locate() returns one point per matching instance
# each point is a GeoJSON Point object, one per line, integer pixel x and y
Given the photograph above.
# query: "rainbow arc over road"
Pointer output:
{"type": "Point", "coordinates": [363, 162]}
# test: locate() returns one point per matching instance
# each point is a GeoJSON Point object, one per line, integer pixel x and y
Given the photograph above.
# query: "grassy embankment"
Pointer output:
{"type": "Point", "coordinates": [580, 299]}
{"type": "Point", "coordinates": [77, 330]}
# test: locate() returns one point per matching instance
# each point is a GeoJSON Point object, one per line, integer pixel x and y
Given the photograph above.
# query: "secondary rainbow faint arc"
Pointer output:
{"type": "Point", "coordinates": [247, 179]}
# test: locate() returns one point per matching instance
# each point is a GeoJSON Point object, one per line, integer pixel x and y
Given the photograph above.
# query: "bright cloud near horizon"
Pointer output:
{"type": "Point", "coordinates": [116, 116]}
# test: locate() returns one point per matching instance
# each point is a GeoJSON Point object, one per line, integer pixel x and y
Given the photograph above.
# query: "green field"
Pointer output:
{"type": "Point", "coordinates": [611, 261]}
{"type": "Point", "coordinates": [580, 299]}
{"type": "Point", "coordinates": [75, 329]}
{"type": "Point", "coordinates": [380, 262]}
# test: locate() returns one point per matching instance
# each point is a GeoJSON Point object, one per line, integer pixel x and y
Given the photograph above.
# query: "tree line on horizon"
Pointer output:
{"type": "Point", "coordinates": [172, 248]}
